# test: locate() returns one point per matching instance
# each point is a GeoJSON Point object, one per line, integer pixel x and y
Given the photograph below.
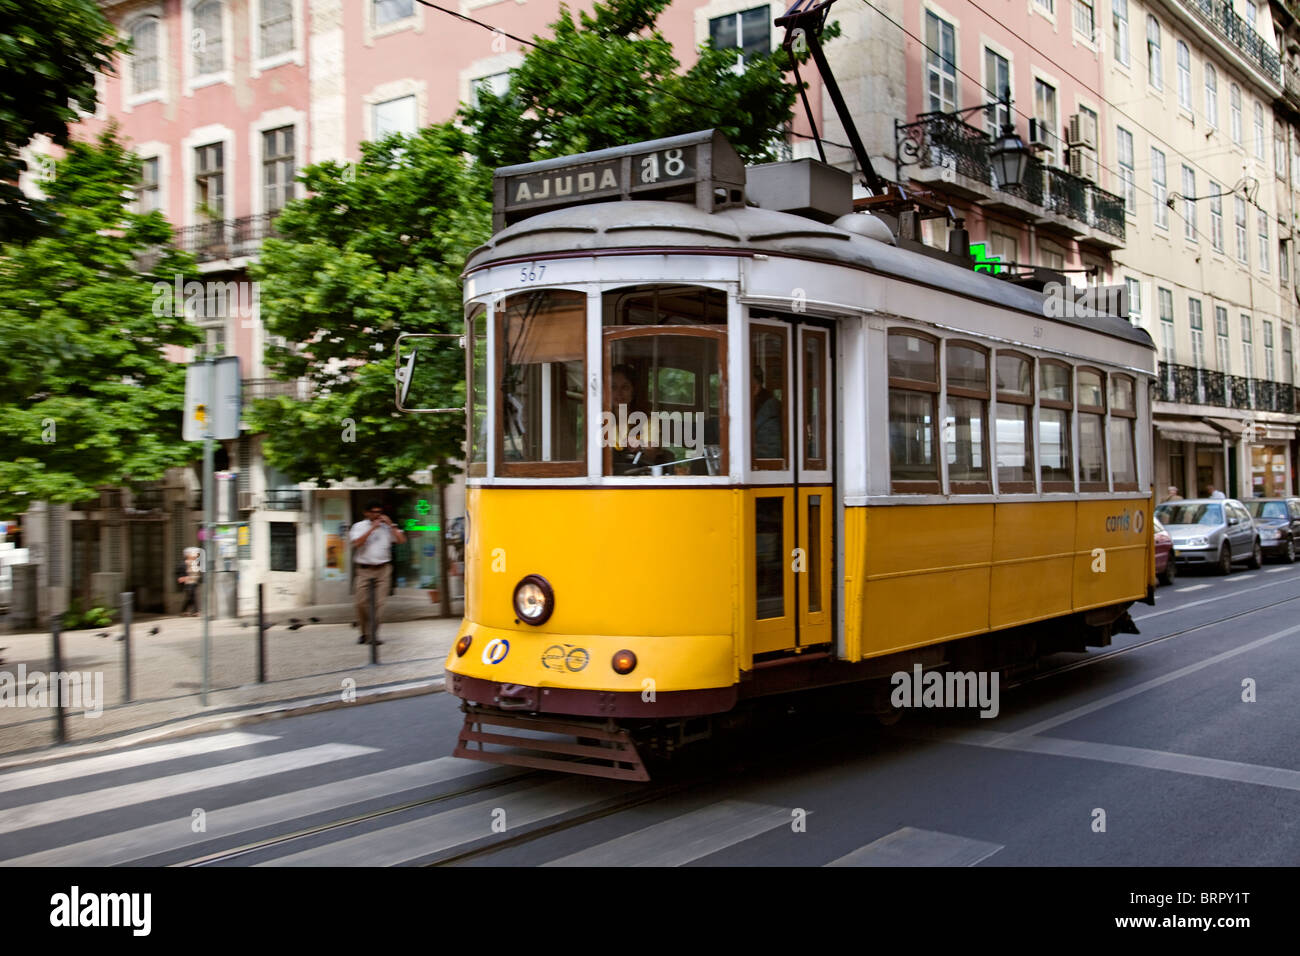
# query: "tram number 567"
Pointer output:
{"type": "Point", "coordinates": [531, 272]}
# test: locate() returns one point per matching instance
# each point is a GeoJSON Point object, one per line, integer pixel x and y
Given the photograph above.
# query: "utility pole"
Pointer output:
{"type": "Point", "coordinates": [208, 502]}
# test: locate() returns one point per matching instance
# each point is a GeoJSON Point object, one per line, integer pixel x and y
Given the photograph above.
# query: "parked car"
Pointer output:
{"type": "Point", "coordinates": [1213, 532]}
{"type": "Point", "coordinates": [1166, 566]}
{"type": "Point", "coordinates": [1277, 521]}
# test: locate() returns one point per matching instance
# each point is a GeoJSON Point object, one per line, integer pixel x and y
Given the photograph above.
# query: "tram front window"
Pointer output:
{"type": "Point", "coordinates": [665, 355]}
{"type": "Point", "coordinates": [542, 338]}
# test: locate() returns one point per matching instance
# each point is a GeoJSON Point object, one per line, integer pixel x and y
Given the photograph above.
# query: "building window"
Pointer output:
{"type": "Point", "coordinates": [913, 394]}
{"type": "Point", "coordinates": [148, 195]}
{"type": "Point", "coordinates": [1085, 19]}
{"type": "Point", "coordinates": [206, 43]}
{"type": "Point", "coordinates": [1004, 247]}
{"type": "Point", "coordinates": [277, 168]}
{"type": "Point", "coordinates": [144, 56]}
{"type": "Point", "coordinates": [1015, 424]}
{"type": "Point", "coordinates": [1158, 188]}
{"type": "Point", "coordinates": [1239, 221]}
{"type": "Point", "coordinates": [1119, 21]}
{"type": "Point", "coordinates": [1166, 304]}
{"type": "Point", "coordinates": [1259, 131]}
{"type": "Point", "coordinates": [748, 31]}
{"type": "Point", "coordinates": [390, 11]}
{"type": "Point", "coordinates": [1183, 60]}
{"type": "Point", "coordinates": [1189, 204]}
{"type": "Point", "coordinates": [1211, 96]}
{"type": "Point", "coordinates": [1222, 345]}
{"type": "Point", "coordinates": [1048, 5]}
{"type": "Point", "coordinates": [276, 28]}
{"type": "Point", "coordinates": [1216, 217]}
{"type": "Point", "coordinates": [210, 181]}
{"type": "Point", "coordinates": [1252, 14]}
{"type": "Point", "coordinates": [1268, 351]}
{"type": "Point", "coordinates": [395, 116]}
{"type": "Point", "coordinates": [284, 545]}
{"type": "Point", "coordinates": [1045, 112]}
{"type": "Point", "coordinates": [1247, 347]}
{"type": "Point", "coordinates": [1050, 255]}
{"type": "Point", "coordinates": [1288, 356]}
{"type": "Point", "coordinates": [1054, 407]}
{"type": "Point", "coordinates": [1134, 289]}
{"type": "Point", "coordinates": [965, 425]}
{"type": "Point", "coordinates": [1262, 219]}
{"type": "Point", "coordinates": [997, 84]}
{"type": "Point", "coordinates": [1127, 173]}
{"type": "Point", "coordinates": [940, 64]}
{"type": "Point", "coordinates": [498, 84]}
{"type": "Point", "coordinates": [1283, 262]}
{"type": "Point", "coordinates": [1234, 113]}
{"type": "Point", "coordinates": [1279, 150]}
{"type": "Point", "coordinates": [1123, 424]}
{"type": "Point", "coordinates": [1197, 323]}
{"type": "Point", "coordinates": [1092, 430]}
{"type": "Point", "coordinates": [213, 340]}
{"type": "Point", "coordinates": [1155, 74]}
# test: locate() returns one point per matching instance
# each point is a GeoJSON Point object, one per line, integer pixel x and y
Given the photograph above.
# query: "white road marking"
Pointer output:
{"type": "Point", "coordinates": [88, 766]}
{"type": "Point", "coordinates": [912, 847]}
{"type": "Point", "coordinates": [1192, 604]}
{"type": "Point", "coordinates": [1276, 570]}
{"type": "Point", "coordinates": [116, 848]}
{"type": "Point", "coordinates": [61, 809]}
{"type": "Point", "coordinates": [684, 838]}
{"type": "Point", "coordinates": [453, 828]}
{"type": "Point", "coordinates": [1194, 587]}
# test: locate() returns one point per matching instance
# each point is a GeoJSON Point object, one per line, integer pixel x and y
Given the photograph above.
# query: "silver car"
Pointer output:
{"type": "Point", "coordinates": [1211, 531]}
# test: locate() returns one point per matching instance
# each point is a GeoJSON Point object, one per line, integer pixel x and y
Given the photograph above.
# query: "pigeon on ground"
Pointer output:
{"type": "Point", "coordinates": [102, 634]}
{"type": "Point", "coordinates": [294, 627]}
{"type": "Point", "coordinates": [155, 630]}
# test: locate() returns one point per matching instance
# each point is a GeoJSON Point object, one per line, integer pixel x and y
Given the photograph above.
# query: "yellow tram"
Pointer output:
{"type": "Point", "coordinates": [729, 439]}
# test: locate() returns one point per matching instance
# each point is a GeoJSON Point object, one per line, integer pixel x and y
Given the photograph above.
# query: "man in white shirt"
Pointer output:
{"type": "Point", "coordinates": [372, 542]}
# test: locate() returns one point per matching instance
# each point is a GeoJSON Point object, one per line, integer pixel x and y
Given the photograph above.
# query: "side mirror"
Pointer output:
{"type": "Point", "coordinates": [417, 356]}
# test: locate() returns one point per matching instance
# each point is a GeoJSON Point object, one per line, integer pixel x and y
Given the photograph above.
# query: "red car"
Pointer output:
{"type": "Point", "coordinates": [1166, 569]}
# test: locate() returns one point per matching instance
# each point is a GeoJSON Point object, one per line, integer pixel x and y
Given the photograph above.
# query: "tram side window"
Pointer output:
{"type": "Point", "coordinates": [1054, 406]}
{"type": "Point", "coordinates": [1123, 422]}
{"type": "Point", "coordinates": [476, 331]}
{"type": "Point", "coordinates": [1092, 435]}
{"type": "Point", "coordinates": [767, 392]}
{"type": "Point", "coordinates": [965, 425]}
{"type": "Point", "coordinates": [664, 409]}
{"type": "Point", "coordinates": [913, 394]}
{"type": "Point", "coordinates": [1015, 421]}
{"type": "Point", "coordinates": [542, 357]}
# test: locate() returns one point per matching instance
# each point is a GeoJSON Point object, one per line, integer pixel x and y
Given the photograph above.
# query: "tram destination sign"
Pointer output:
{"type": "Point", "coordinates": [699, 168]}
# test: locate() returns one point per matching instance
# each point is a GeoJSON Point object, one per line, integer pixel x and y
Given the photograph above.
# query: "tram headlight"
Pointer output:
{"type": "Point", "coordinates": [534, 600]}
{"type": "Point", "coordinates": [624, 662]}
{"type": "Point", "coordinates": [463, 644]}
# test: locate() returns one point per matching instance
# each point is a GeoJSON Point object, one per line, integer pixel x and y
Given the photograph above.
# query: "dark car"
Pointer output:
{"type": "Point", "coordinates": [1166, 566]}
{"type": "Point", "coordinates": [1277, 521]}
{"type": "Point", "coordinates": [1211, 532]}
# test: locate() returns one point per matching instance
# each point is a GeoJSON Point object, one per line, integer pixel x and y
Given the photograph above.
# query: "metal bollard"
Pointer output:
{"type": "Point", "coordinates": [374, 625]}
{"type": "Point", "coordinates": [128, 608]}
{"type": "Point", "coordinates": [60, 731]}
{"type": "Point", "coordinates": [261, 637]}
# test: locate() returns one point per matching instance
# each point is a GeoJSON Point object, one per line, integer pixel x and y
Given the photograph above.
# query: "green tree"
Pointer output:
{"type": "Point", "coordinates": [50, 52]}
{"type": "Point", "coordinates": [372, 251]}
{"type": "Point", "coordinates": [88, 396]}
{"type": "Point", "coordinates": [611, 78]}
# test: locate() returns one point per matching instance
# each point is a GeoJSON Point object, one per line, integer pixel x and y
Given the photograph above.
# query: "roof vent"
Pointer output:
{"type": "Point", "coordinates": [803, 187]}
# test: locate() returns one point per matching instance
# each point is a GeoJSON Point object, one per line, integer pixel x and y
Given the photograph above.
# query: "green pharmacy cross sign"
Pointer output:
{"type": "Point", "coordinates": [422, 508]}
{"type": "Point", "coordinates": [985, 262]}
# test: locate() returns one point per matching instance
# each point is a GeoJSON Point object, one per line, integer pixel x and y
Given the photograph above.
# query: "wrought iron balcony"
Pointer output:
{"type": "Point", "coordinates": [1291, 84]}
{"type": "Point", "coordinates": [1185, 385]}
{"type": "Point", "coordinates": [1223, 20]}
{"type": "Point", "coordinates": [255, 388]}
{"type": "Point", "coordinates": [226, 238]}
{"type": "Point", "coordinates": [942, 141]}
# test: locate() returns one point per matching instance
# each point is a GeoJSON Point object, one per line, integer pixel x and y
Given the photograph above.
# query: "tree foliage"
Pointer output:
{"type": "Point", "coordinates": [50, 52]}
{"type": "Point", "coordinates": [610, 78]}
{"type": "Point", "coordinates": [87, 394]}
{"type": "Point", "coordinates": [373, 251]}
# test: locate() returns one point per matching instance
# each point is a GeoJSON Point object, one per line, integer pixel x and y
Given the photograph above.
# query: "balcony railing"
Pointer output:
{"type": "Point", "coordinates": [282, 499]}
{"type": "Point", "coordinates": [947, 142]}
{"type": "Point", "coordinates": [1186, 385]}
{"type": "Point", "coordinates": [255, 388]}
{"type": "Point", "coordinates": [226, 238]}
{"type": "Point", "coordinates": [1291, 84]}
{"type": "Point", "coordinates": [1224, 21]}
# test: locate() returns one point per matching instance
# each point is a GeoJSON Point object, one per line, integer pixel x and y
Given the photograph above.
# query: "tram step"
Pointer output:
{"type": "Point", "coordinates": [614, 755]}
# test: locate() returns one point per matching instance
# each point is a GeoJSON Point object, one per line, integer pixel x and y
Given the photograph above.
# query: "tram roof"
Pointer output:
{"type": "Point", "coordinates": [631, 224]}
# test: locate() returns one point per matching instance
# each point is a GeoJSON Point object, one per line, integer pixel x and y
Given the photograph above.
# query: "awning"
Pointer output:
{"type": "Point", "coordinates": [1272, 431]}
{"type": "Point", "coordinates": [1233, 426]}
{"type": "Point", "coordinates": [1192, 430]}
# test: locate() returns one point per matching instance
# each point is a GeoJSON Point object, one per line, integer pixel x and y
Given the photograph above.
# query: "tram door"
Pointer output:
{"type": "Point", "coordinates": [790, 432]}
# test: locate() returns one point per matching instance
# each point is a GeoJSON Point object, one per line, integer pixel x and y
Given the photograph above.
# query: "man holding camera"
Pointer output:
{"type": "Point", "coordinates": [372, 552]}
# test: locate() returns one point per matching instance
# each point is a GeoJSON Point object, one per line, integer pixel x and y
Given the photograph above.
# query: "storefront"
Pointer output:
{"type": "Point", "coordinates": [1270, 461]}
{"type": "Point", "coordinates": [1189, 456]}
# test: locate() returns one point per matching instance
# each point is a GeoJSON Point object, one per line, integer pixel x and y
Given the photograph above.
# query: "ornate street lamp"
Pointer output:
{"type": "Point", "coordinates": [1009, 158]}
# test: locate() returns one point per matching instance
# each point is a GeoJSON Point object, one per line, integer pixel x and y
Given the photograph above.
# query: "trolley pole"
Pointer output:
{"type": "Point", "coordinates": [128, 607]}
{"type": "Point", "coordinates": [261, 636]}
{"type": "Point", "coordinates": [56, 683]}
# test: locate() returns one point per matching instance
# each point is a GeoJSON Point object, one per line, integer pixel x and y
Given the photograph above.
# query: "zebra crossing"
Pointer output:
{"type": "Point", "coordinates": [425, 811]}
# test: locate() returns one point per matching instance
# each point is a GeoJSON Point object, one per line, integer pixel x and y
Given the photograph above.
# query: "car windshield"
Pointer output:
{"type": "Point", "coordinates": [1267, 509]}
{"type": "Point", "coordinates": [1192, 513]}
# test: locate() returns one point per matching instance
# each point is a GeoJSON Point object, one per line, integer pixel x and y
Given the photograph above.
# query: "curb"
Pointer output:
{"type": "Point", "coordinates": [224, 720]}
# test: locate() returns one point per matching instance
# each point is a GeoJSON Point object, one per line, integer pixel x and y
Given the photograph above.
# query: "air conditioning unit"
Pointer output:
{"type": "Point", "coordinates": [1083, 130]}
{"type": "Point", "coordinates": [1039, 135]}
{"type": "Point", "coordinates": [246, 501]}
{"type": "Point", "coordinates": [1083, 163]}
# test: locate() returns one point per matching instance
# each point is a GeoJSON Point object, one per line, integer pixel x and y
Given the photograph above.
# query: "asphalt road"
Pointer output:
{"type": "Point", "coordinates": [1141, 754]}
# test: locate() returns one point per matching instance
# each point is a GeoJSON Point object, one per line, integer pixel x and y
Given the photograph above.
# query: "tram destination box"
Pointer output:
{"type": "Point", "coordinates": [699, 168]}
